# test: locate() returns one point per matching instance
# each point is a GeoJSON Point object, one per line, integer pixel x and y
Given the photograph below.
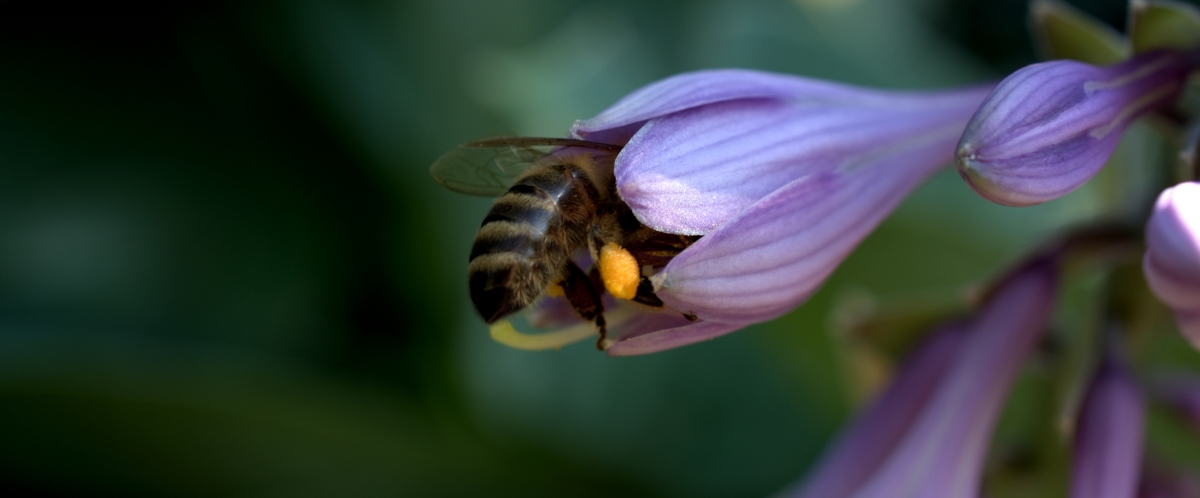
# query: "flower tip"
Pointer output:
{"type": "Point", "coordinates": [573, 131]}
{"type": "Point", "coordinates": [660, 281]}
{"type": "Point", "coordinates": [974, 172]}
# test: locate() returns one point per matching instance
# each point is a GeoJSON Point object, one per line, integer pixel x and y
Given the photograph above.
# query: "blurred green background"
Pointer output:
{"type": "Point", "coordinates": [225, 271]}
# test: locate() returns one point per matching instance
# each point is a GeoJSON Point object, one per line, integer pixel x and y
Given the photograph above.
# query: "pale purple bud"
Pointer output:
{"type": "Point", "coordinates": [943, 452]}
{"type": "Point", "coordinates": [1049, 127]}
{"type": "Point", "coordinates": [1108, 439]}
{"type": "Point", "coordinates": [783, 176]}
{"type": "Point", "coordinates": [1172, 261]}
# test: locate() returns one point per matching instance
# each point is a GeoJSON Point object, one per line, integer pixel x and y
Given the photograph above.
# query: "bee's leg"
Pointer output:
{"type": "Point", "coordinates": [584, 298]}
{"type": "Point", "coordinates": [594, 276]}
{"type": "Point", "coordinates": [645, 294]}
{"type": "Point", "coordinates": [598, 236]}
{"type": "Point", "coordinates": [653, 249]}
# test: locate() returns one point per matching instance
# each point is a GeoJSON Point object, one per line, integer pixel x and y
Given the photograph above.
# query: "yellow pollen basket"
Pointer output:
{"type": "Point", "coordinates": [554, 290]}
{"type": "Point", "coordinates": [619, 271]}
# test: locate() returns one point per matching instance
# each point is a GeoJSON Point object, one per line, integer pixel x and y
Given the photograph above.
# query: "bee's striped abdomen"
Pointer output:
{"type": "Point", "coordinates": [524, 244]}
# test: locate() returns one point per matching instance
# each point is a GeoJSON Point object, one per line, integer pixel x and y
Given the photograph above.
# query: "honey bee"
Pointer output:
{"type": "Point", "coordinates": [556, 197]}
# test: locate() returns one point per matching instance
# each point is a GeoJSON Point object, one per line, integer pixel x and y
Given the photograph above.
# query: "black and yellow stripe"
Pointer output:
{"type": "Point", "coordinates": [527, 238]}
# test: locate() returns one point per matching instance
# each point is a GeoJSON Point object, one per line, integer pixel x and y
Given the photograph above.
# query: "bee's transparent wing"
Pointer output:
{"type": "Point", "coordinates": [489, 167]}
{"type": "Point", "coordinates": [482, 171]}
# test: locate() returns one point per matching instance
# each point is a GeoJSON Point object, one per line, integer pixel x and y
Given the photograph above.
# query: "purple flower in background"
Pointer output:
{"type": "Point", "coordinates": [859, 451]}
{"type": "Point", "coordinates": [782, 175]}
{"type": "Point", "coordinates": [927, 435]}
{"type": "Point", "coordinates": [1049, 127]}
{"type": "Point", "coordinates": [1172, 261]}
{"type": "Point", "coordinates": [1108, 440]}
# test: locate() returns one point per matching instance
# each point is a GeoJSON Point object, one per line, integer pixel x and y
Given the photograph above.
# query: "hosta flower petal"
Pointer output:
{"type": "Point", "coordinates": [638, 324]}
{"type": "Point", "coordinates": [1172, 261]}
{"type": "Point", "coordinates": [688, 90]}
{"type": "Point", "coordinates": [866, 443]}
{"type": "Point", "coordinates": [552, 313]}
{"type": "Point", "coordinates": [1108, 441]}
{"type": "Point", "coordinates": [1049, 127]}
{"type": "Point", "coordinates": [774, 254]}
{"type": "Point", "coordinates": [693, 170]}
{"type": "Point", "coordinates": [626, 322]}
{"type": "Point", "coordinates": [942, 455]}
{"type": "Point", "coordinates": [661, 339]}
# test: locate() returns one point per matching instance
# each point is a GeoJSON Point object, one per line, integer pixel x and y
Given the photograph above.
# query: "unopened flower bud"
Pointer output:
{"type": "Point", "coordinates": [1049, 127]}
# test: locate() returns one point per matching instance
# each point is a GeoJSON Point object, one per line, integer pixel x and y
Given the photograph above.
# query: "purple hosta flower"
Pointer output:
{"type": "Point", "coordinates": [782, 176]}
{"type": "Point", "coordinates": [927, 436]}
{"type": "Point", "coordinates": [1172, 262]}
{"type": "Point", "coordinates": [1049, 127]}
{"type": "Point", "coordinates": [1108, 440]}
{"type": "Point", "coordinates": [859, 451]}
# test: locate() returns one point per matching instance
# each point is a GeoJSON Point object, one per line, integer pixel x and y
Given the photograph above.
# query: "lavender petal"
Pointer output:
{"type": "Point", "coordinates": [688, 90]}
{"type": "Point", "coordinates": [774, 254]}
{"type": "Point", "coordinates": [692, 171]}
{"type": "Point", "coordinates": [866, 443]}
{"type": "Point", "coordinates": [664, 339]}
{"type": "Point", "coordinates": [1108, 442]}
{"type": "Point", "coordinates": [943, 454]}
